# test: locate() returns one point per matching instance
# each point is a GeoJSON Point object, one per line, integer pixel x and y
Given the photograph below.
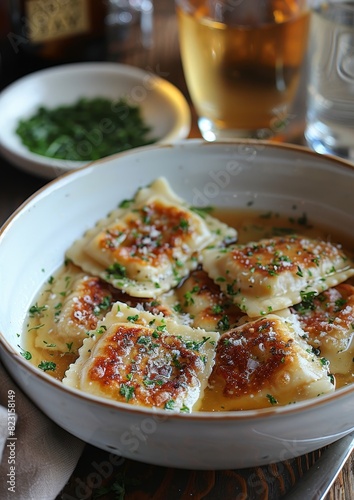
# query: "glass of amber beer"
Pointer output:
{"type": "Point", "coordinates": [242, 61]}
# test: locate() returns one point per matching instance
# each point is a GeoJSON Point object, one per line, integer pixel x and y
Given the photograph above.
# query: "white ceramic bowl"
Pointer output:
{"type": "Point", "coordinates": [163, 106]}
{"type": "Point", "coordinates": [274, 177]}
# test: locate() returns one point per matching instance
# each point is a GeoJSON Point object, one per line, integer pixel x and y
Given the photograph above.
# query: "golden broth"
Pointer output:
{"type": "Point", "coordinates": [251, 226]}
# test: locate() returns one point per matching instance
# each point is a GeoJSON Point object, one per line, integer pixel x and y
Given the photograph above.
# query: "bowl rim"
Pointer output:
{"type": "Point", "coordinates": [234, 416]}
{"type": "Point", "coordinates": [45, 166]}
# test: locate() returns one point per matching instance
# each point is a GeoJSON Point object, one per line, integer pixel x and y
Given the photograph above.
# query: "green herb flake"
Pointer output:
{"type": "Point", "coordinates": [47, 366]}
{"type": "Point", "coordinates": [272, 399]}
{"type": "Point", "coordinates": [170, 404]}
{"type": "Point", "coordinates": [116, 271]}
{"type": "Point", "coordinates": [37, 310]}
{"type": "Point", "coordinates": [126, 391]}
{"type": "Point", "coordinates": [133, 319]}
{"type": "Point", "coordinates": [125, 203]}
{"type": "Point", "coordinates": [25, 354]}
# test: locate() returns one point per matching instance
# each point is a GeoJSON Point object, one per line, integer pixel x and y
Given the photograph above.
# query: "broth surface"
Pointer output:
{"type": "Point", "coordinates": [251, 226]}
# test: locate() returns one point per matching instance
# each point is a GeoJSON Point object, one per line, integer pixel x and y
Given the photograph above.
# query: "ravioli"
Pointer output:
{"type": "Point", "coordinates": [72, 304]}
{"type": "Point", "coordinates": [272, 274]}
{"type": "Point", "coordinates": [162, 305]}
{"type": "Point", "coordinates": [264, 363]}
{"type": "Point", "coordinates": [207, 306]}
{"type": "Point", "coordinates": [149, 244]}
{"type": "Point", "coordinates": [141, 359]}
{"type": "Point", "coordinates": [328, 323]}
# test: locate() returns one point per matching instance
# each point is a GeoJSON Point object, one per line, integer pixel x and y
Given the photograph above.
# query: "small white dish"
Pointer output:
{"type": "Point", "coordinates": [163, 106]}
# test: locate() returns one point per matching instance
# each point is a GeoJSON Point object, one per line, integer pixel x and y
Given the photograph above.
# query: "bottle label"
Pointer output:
{"type": "Point", "coordinates": [52, 19]}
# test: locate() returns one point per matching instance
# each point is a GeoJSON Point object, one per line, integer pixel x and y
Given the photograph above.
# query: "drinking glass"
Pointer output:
{"type": "Point", "coordinates": [330, 103]}
{"type": "Point", "coordinates": [129, 26]}
{"type": "Point", "coordinates": [242, 61]}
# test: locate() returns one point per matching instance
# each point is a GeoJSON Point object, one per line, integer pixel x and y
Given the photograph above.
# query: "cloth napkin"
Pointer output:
{"type": "Point", "coordinates": [43, 454]}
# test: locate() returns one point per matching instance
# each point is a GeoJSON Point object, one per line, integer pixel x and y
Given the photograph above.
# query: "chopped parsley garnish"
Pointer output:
{"type": "Point", "coordinates": [188, 296]}
{"type": "Point", "coordinates": [116, 271]}
{"type": "Point", "coordinates": [47, 366]}
{"type": "Point", "coordinates": [170, 404]}
{"type": "Point", "coordinates": [69, 345]}
{"type": "Point", "coordinates": [307, 302]}
{"type": "Point", "coordinates": [102, 306]}
{"type": "Point", "coordinates": [272, 399]}
{"type": "Point", "coordinates": [133, 319]}
{"type": "Point", "coordinates": [64, 132]}
{"type": "Point", "coordinates": [36, 310]}
{"type": "Point", "coordinates": [194, 345]}
{"type": "Point", "coordinates": [125, 203]}
{"type": "Point", "coordinates": [299, 272]}
{"type": "Point", "coordinates": [177, 308]}
{"type": "Point", "coordinates": [224, 323]}
{"type": "Point", "coordinates": [126, 391]}
{"type": "Point", "coordinates": [184, 225]}
{"type": "Point", "coordinates": [25, 354]}
{"type": "Point", "coordinates": [339, 304]}
{"type": "Point", "coordinates": [217, 309]}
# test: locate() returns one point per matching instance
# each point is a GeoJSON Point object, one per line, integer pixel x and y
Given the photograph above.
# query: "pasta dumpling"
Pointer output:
{"type": "Point", "coordinates": [150, 243]}
{"type": "Point", "coordinates": [207, 306]}
{"type": "Point", "coordinates": [263, 363]}
{"type": "Point", "coordinates": [271, 274]}
{"type": "Point", "coordinates": [72, 304]}
{"type": "Point", "coordinates": [142, 359]}
{"type": "Point", "coordinates": [328, 323]}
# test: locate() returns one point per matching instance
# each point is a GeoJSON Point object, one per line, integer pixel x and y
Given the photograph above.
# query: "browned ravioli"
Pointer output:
{"type": "Point", "coordinates": [263, 363]}
{"type": "Point", "coordinates": [138, 358]}
{"type": "Point", "coordinates": [328, 322]}
{"type": "Point", "coordinates": [271, 274]}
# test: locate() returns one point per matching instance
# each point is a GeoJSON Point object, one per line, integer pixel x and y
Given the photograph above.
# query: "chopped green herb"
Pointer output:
{"type": "Point", "coordinates": [193, 344]}
{"type": "Point", "coordinates": [133, 319]}
{"type": "Point", "coordinates": [26, 354]}
{"type": "Point", "coordinates": [36, 310]}
{"type": "Point", "coordinates": [127, 391]}
{"type": "Point", "coordinates": [125, 203]}
{"type": "Point", "coordinates": [170, 404]}
{"type": "Point", "coordinates": [65, 132]}
{"type": "Point", "coordinates": [217, 309]}
{"type": "Point", "coordinates": [47, 366]}
{"type": "Point", "coordinates": [189, 300]}
{"type": "Point", "coordinates": [116, 271]}
{"type": "Point", "coordinates": [272, 399]}
{"type": "Point", "coordinates": [307, 302]}
{"type": "Point", "coordinates": [69, 345]}
{"type": "Point", "coordinates": [224, 323]}
{"type": "Point", "coordinates": [102, 306]}
{"type": "Point", "coordinates": [184, 225]}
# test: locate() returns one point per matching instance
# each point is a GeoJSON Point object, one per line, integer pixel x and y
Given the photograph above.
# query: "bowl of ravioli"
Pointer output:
{"type": "Point", "coordinates": [202, 293]}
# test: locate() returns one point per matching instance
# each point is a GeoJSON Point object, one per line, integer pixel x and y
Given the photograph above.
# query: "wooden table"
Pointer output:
{"type": "Point", "coordinates": [142, 481]}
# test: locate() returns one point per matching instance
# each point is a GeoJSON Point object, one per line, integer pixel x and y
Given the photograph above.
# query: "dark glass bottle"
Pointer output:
{"type": "Point", "coordinates": [49, 32]}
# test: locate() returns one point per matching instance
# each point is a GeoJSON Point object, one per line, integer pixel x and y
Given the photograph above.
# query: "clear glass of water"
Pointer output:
{"type": "Point", "coordinates": [330, 92]}
{"type": "Point", "coordinates": [129, 26]}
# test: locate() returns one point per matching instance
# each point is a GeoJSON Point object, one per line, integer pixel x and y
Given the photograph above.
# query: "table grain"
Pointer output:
{"type": "Point", "coordinates": [97, 475]}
